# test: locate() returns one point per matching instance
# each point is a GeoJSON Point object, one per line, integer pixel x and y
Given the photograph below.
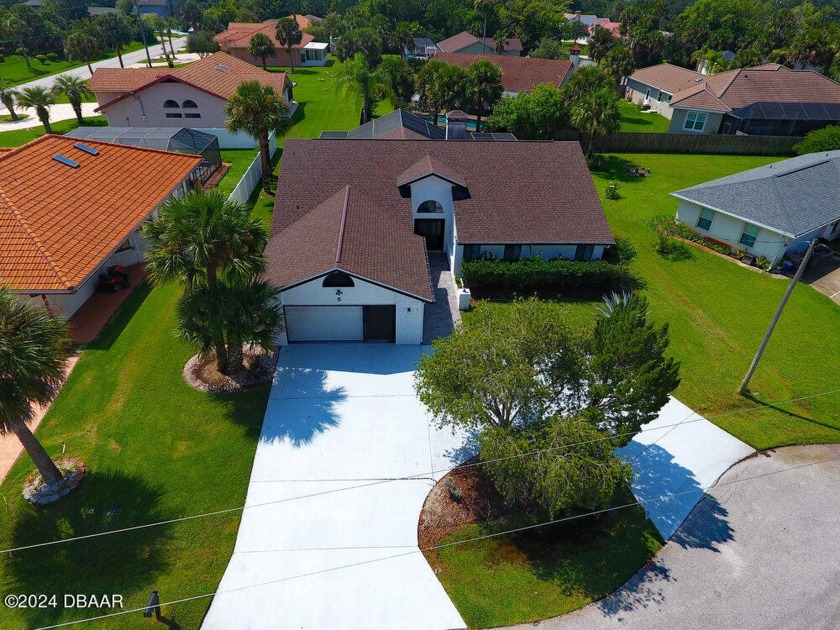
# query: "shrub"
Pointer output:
{"type": "Point", "coordinates": [622, 252]}
{"type": "Point", "coordinates": [825, 139]}
{"type": "Point", "coordinates": [666, 227]}
{"type": "Point", "coordinates": [612, 190]}
{"type": "Point", "coordinates": [2, 58]}
{"type": "Point", "coordinates": [19, 52]}
{"type": "Point", "coordinates": [762, 262]}
{"type": "Point", "coordinates": [52, 56]}
{"type": "Point", "coordinates": [538, 275]}
{"type": "Point", "coordinates": [41, 58]}
{"type": "Point", "coordinates": [454, 491]}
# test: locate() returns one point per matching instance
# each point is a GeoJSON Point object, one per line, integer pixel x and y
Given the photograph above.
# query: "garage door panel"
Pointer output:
{"type": "Point", "coordinates": [324, 323]}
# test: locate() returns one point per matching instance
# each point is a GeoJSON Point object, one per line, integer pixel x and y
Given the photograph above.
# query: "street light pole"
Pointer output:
{"type": "Point", "coordinates": [776, 317]}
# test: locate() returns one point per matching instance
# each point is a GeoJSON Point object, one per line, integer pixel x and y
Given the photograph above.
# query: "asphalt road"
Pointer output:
{"type": "Point", "coordinates": [111, 62]}
{"type": "Point", "coordinates": [760, 551]}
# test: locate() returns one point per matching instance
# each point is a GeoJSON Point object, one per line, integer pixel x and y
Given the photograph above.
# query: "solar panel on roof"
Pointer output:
{"type": "Point", "coordinates": [87, 149]}
{"type": "Point", "coordinates": [66, 161]}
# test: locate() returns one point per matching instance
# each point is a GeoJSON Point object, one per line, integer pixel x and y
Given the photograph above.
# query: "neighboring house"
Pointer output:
{"type": "Point", "coordinates": [237, 38]}
{"type": "Point", "coordinates": [93, 11]}
{"type": "Point", "coordinates": [403, 125]}
{"type": "Point", "coordinates": [193, 96]}
{"type": "Point", "coordinates": [69, 210]}
{"type": "Point", "coordinates": [767, 209]}
{"type": "Point", "coordinates": [703, 64]}
{"type": "Point", "coordinates": [585, 19]}
{"type": "Point", "coordinates": [422, 48]}
{"type": "Point", "coordinates": [655, 86]}
{"type": "Point", "coordinates": [467, 43]}
{"type": "Point", "coordinates": [519, 74]}
{"type": "Point", "coordinates": [158, 7]}
{"type": "Point", "coordinates": [351, 254]}
{"type": "Point", "coordinates": [614, 28]}
{"type": "Point", "coordinates": [764, 100]}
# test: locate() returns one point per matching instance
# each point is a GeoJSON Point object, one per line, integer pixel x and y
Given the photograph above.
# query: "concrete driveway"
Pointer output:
{"type": "Point", "coordinates": [339, 417]}
{"type": "Point", "coordinates": [760, 551]}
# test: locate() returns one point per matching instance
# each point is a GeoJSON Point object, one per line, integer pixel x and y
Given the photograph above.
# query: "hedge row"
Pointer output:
{"type": "Point", "coordinates": [538, 275]}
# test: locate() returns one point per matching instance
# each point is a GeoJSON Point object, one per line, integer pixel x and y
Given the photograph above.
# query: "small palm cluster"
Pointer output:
{"type": "Point", "coordinates": [214, 249]}
{"type": "Point", "coordinates": [41, 99]}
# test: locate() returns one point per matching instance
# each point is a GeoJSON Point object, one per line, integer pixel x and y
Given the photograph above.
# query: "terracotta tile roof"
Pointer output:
{"type": "Point", "coordinates": [239, 34]}
{"type": "Point", "coordinates": [218, 74]}
{"type": "Point", "coordinates": [668, 77]}
{"type": "Point", "coordinates": [546, 196]}
{"type": "Point", "coordinates": [519, 74]}
{"type": "Point", "coordinates": [58, 223]}
{"type": "Point", "coordinates": [465, 38]}
{"type": "Point", "coordinates": [770, 83]}
{"type": "Point", "coordinates": [613, 27]}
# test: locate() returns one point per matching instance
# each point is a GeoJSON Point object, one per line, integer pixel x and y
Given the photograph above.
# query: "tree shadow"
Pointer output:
{"type": "Point", "coordinates": [112, 330]}
{"type": "Point", "coordinates": [117, 564]}
{"type": "Point", "coordinates": [642, 590]}
{"type": "Point", "coordinates": [763, 403]}
{"type": "Point", "coordinates": [677, 251]}
{"type": "Point", "coordinates": [669, 493]}
{"type": "Point", "coordinates": [466, 451]}
{"type": "Point", "coordinates": [302, 406]}
{"type": "Point", "coordinates": [614, 168]}
{"type": "Point", "coordinates": [639, 122]}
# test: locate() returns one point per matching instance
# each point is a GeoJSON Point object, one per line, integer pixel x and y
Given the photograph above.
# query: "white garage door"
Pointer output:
{"type": "Point", "coordinates": [324, 323]}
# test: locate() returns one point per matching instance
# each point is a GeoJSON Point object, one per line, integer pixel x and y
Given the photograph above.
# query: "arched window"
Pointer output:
{"type": "Point", "coordinates": [188, 104]}
{"type": "Point", "coordinates": [430, 207]}
{"type": "Point", "coordinates": [338, 279]}
{"type": "Point", "coordinates": [170, 104]}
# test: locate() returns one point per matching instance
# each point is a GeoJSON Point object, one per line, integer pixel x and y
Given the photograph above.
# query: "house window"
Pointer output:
{"type": "Point", "coordinates": [430, 207]}
{"type": "Point", "coordinates": [188, 104]}
{"type": "Point", "coordinates": [189, 115]}
{"type": "Point", "coordinates": [665, 97]}
{"type": "Point", "coordinates": [513, 252]}
{"type": "Point", "coordinates": [170, 104]}
{"type": "Point", "coordinates": [173, 115]}
{"type": "Point", "coordinates": [338, 279]}
{"type": "Point", "coordinates": [695, 121]}
{"type": "Point", "coordinates": [705, 220]}
{"type": "Point", "coordinates": [647, 94]}
{"type": "Point", "coordinates": [472, 252]}
{"type": "Point", "coordinates": [749, 235]}
{"type": "Point", "coordinates": [584, 252]}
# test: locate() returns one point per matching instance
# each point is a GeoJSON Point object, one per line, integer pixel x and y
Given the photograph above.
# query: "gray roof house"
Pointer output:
{"type": "Point", "coordinates": [766, 210]}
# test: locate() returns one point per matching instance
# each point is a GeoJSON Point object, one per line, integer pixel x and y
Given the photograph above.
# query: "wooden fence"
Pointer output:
{"type": "Point", "coordinates": [624, 142]}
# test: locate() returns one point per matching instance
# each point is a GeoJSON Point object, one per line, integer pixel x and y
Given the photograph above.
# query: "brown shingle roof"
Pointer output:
{"type": "Point", "coordinates": [519, 74]}
{"type": "Point", "coordinates": [58, 224]}
{"type": "Point", "coordinates": [770, 83]}
{"type": "Point", "coordinates": [465, 38]}
{"type": "Point", "coordinates": [667, 77]}
{"type": "Point", "coordinates": [218, 74]}
{"type": "Point", "coordinates": [239, 34]}
{"type": "Point", "coordinates": [546, 196]}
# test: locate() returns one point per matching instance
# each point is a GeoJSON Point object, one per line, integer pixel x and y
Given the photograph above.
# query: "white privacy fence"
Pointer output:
{"type": "Point", "coordinates": [252, 176]}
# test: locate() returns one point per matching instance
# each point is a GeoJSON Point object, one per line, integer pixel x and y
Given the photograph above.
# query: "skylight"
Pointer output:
{"type": "Point", "coordinates": [87, 149]}
{"type": "Point", "coordinates": [223, 69]}
{"type": "Point", "coordinates": [66, 161]}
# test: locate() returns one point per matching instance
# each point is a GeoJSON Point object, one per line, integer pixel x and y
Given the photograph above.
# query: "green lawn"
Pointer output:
{"type": "Point", "coordinates": [21, 136]}
{"type": "Point", "coordinates": [240, 160]}
{"type": "Point", "coordinates": [155, 449]}
{"type": "Point", "coordinates": [635, 121]}
{"type": "Point", "coordinates": [544, 572]}
{"type": "Point", "coordinates": [14, 68]}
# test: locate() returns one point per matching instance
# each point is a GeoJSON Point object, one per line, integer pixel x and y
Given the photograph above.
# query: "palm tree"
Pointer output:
{"type": "Point", "coordinates": [170, 23]}
{"type": "Point", "coordinates": [82, 43]}
{"type": "Point", "coordinates": [158, 26]}
{"type": "Point", "coordinates": [596, 114]}
{"type": "Point", "coordinates": [34, 347]}
{"type": "Point", "coordinates": [17, 29]}
{"type": "Point", "coordinates": [75, 89]}
{"type": "Point", "coordinates": [355, 78]}
{"type": "Point", "coordinates": [288, 34]}
{"type": "Point", "coordinates": [7, 96]}
{"type": "Point", "coordinates": [209, 244]}
{"type": "Point", "coordinates": [239, 313]}
{"type": "Point", "coordinates": [484, 7]}
{"type": "Point", "coordinates": [427, 80]}
{"type": "Point", "coordinates": [115, 32]}
{"type": "Point", "coordinates": [403, 36]}
{"type": "Point", "coordinates": [259, 110]}
{"type": "Point", "coordinates": [485, 86]}
{"type": "Point", "coordinates": [41, 99]}
{"type": "Point", "coordinates": [261, 47]}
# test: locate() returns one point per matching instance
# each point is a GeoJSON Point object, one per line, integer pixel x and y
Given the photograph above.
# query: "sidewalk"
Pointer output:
{"type": "Point", "coordinates": [62, 111]}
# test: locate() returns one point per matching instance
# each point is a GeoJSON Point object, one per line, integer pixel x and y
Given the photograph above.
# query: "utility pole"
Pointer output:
{"type": "Point", "coordinates": [776, 317]}
{"type": "Point", "coordinates": [143, 32]}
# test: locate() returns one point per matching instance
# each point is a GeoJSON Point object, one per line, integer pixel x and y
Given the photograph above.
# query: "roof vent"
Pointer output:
{"type": "Point", "coordinates": [223, 69]}
{"type": "Point", "coordinates": [698, 79]}
{"type": "Point", "coordinates": [87, 149]}
{"type": "Point", "coordinates": [66, 161]}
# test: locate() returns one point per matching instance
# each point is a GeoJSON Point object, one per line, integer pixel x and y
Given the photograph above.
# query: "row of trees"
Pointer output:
{"type": "Point", "coordinates": [556, 402]}
{"type": "Point", "coordinates": [41, 99]}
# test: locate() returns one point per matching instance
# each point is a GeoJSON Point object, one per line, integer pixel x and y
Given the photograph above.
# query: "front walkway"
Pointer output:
{"type": "Point", "coordinates": [343, 426]}
{"type": "Point", "coordinates": [442, 315]}
{"type": "Point", "coordinates": [677, 457]}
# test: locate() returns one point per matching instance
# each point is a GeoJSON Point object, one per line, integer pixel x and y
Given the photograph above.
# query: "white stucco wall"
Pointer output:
{"type": "Point", "coordinates": [728, 229]}
{"type": "Point", "coordinates": [436, 189]}
{"type": "Point", "coordinates": [409, 311]}
{"type": "Point", "coordinates": [659, 100]}
{"type": "Point", "coordinates": [145, 109]}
